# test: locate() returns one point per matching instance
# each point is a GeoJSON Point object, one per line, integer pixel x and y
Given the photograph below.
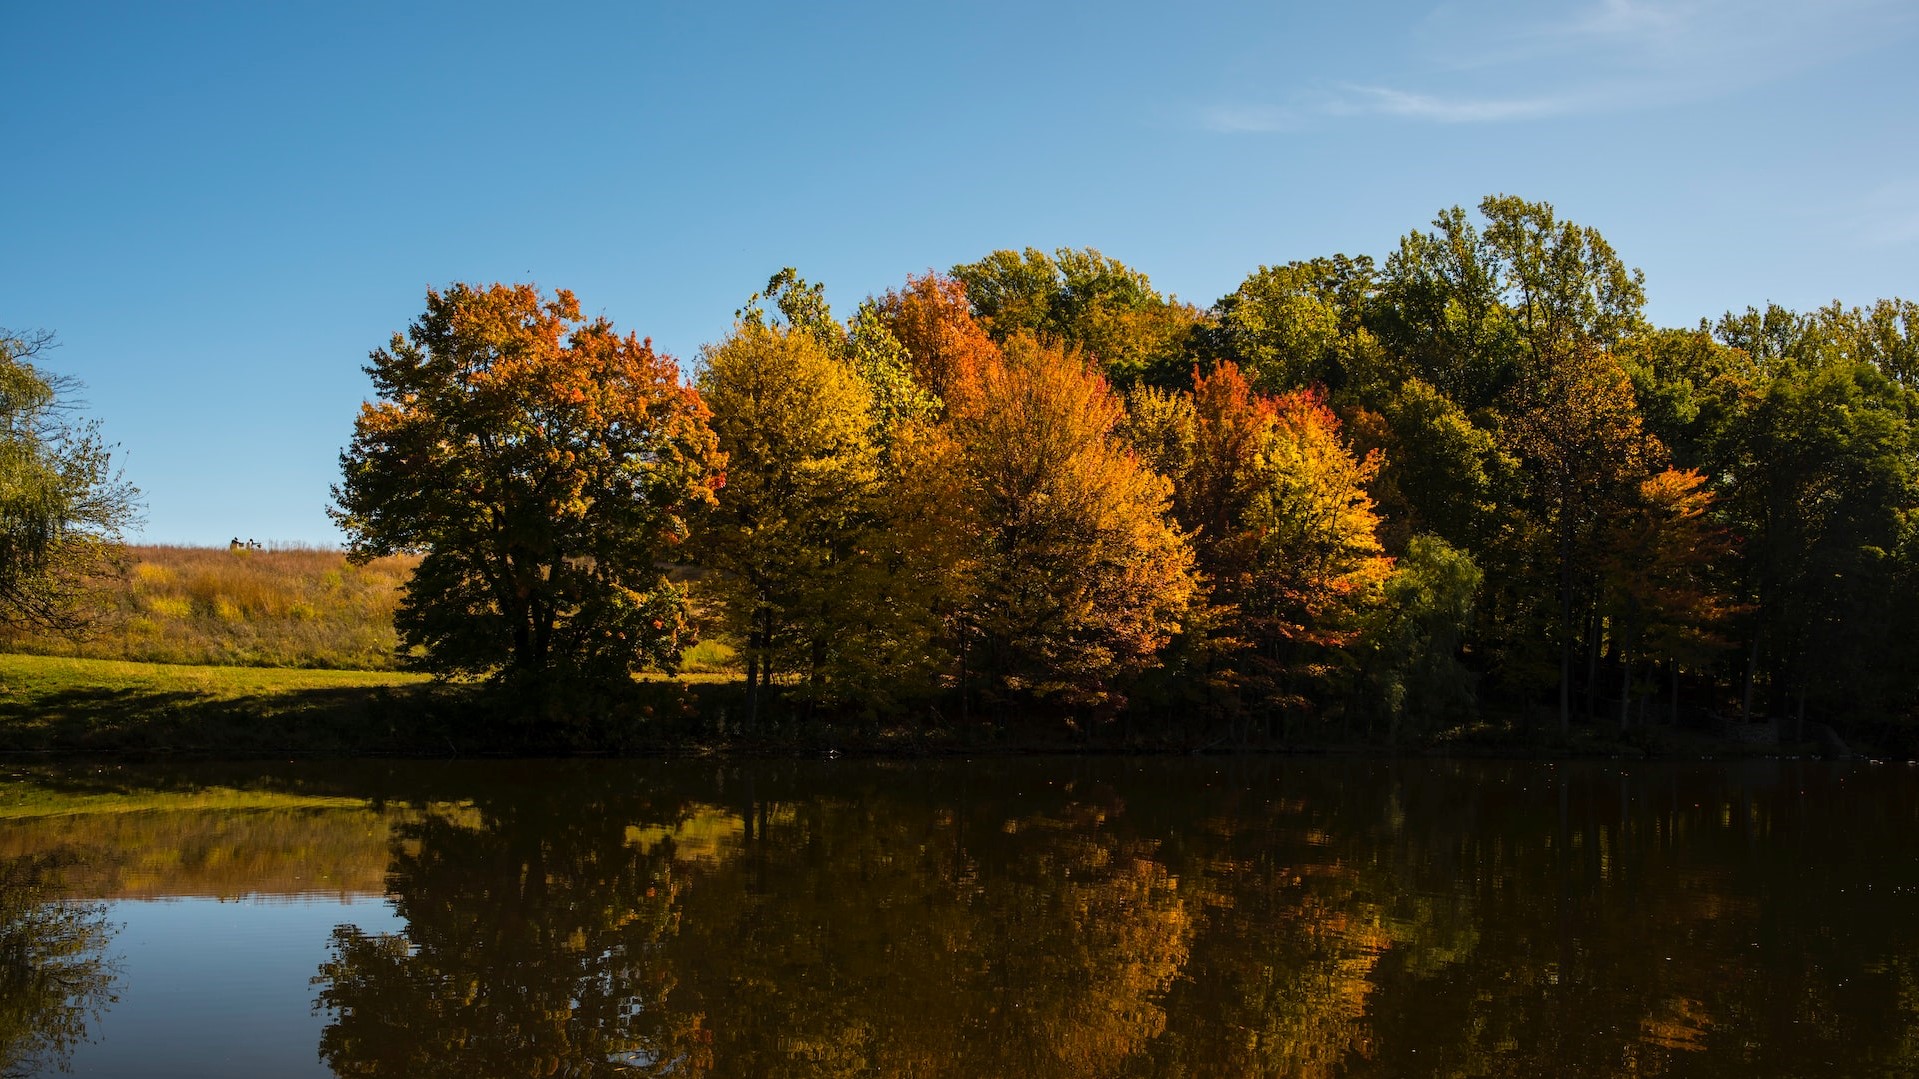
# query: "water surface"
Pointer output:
{"type": "Point", "coordinates": [1080, 917]}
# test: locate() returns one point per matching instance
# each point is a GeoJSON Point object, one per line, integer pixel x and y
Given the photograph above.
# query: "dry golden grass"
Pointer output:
{"type": "Point", "coordinates": [208, 605]}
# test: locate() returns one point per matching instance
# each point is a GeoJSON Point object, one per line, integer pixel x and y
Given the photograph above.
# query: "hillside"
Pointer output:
{"type": "Point", "coordinates": [303, 607]}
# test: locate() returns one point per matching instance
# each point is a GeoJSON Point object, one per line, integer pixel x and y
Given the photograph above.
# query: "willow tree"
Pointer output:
{"type": "Point", "coordinates": [544, 466]}
{"type": "Point", "coordinates": [63, 504]}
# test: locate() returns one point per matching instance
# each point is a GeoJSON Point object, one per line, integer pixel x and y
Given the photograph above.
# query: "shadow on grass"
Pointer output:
{"type": "Point", "coordinates": [343, 721]}
{"type": "Point", "coordinates": [418, 720]}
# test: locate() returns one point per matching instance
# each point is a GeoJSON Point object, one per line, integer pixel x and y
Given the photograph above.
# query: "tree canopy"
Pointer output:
{"type": "Point", "coordinates": [544, 467]}
{"type": "Point", "coordinates": [1467, 480]}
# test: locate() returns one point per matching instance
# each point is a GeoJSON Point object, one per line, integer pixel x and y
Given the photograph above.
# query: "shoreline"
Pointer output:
{"type": "Point", "coordinates": [57, 708]}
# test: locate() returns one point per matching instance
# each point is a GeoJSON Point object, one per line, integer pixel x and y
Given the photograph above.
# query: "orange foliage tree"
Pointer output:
{"type": "Point", "coordinates": [933, 319]}
{"type": "Point", "coordinates": [544, 466]}
{"type": "Point", "coordinates": [1285, 530]}
{"type": "Point", "coordinates": [1663, 558]}
{"type": "Point", "coordinates": [1067, 573]}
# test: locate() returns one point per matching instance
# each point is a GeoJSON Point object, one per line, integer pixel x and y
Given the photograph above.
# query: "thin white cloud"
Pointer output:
{"type": "Point", "coordinates": [1386, 101]}
{"type": "Point", "coordinates": [1254, 119]}
{"type": "Point", "coordinates": [1608, 56]}
{"type": "Point", "coordinates": [1359, 101]}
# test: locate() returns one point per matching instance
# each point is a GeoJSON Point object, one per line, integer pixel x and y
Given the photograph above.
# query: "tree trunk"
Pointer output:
{"type": "Point", "coordinates": [752, 677]}
{"type": "Point", "coordinates": [1752, 667]}
{"type": "Point", "coordinates": [1595, 635]}
{"type": "Point", "coordinates": [1625, 690]}
{"type": "Point", "coordinates": [1565, 631]}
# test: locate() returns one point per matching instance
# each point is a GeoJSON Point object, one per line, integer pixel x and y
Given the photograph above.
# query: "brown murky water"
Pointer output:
{"type": "Point", "coordinates": [1218, 917]}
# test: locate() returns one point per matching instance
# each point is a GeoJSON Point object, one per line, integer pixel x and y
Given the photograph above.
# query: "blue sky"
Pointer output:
{"type": "Point", "coordinates": [221, 209]}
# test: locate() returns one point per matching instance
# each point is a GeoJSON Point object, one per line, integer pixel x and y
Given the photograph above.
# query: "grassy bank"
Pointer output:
{"type": "Point", "coordinates": [212, 606]}
{"type": "Point", "coordinates": [64, 706]}
{"type": "Point", "coordinates": [299, 607]}
{"type": "Point", "coordinates": [70, 705]}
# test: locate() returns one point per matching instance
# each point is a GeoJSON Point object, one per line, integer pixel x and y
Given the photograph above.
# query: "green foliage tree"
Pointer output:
{"type": "Point", "coordinates": [1562, 281]}
{"type": "Point", "coordinates": [1445, 472]}
{"type": "Point", "coordinates": [1823, 489]}
{"type": "Point", "coordinates": [883, 363]}
{"type": "Point", "coordinates": [1474, 310]}
{"type": "Point", "coordinates": [1084, 299]}
{"type": "Point", "coordinates": [63, 505]}
{"type": "Point", "coordinates": [1409, 652]}
{"type": "Point", "coordinates": [553, 968]}
{"type": "Point", "coordinates": [543, 466]}
{"type": "Point", "coordinates": [1299, 325]}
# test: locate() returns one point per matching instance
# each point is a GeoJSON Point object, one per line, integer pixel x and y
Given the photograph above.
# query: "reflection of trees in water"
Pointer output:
{"type": "Point", "coordinates": [864, 935]}
{"type": "Point", "coordinates": [795, 936]}
{"type": "Point", "coordinates": [1368, 919]}
{"type": "Point", "coordinates": [54, 973]}
{"type": "Point", "coordinates": [528, 951]}
{"type": "Point", "coordinates": [1666, 920]}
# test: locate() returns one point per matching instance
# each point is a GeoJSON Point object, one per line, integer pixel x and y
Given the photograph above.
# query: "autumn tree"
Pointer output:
{"type": "Point", "coordinates": [1284, 530]}
{"type": "Point", "coordinates": [1665, 561]}
{"type": "Point", "coordinates": [1317, 563]}
{"type": "Point", "coordinates": [933, 321]}
{"type": "Point", "coordinates": [866, 344]}
{"type": "Point", "coordinates": [802, 475]}
{"type": "Point", "coordinates": [1231, 427]}
{"type": "Point", "coordinates": [544, 466]}
{"type": "Point", "coordinates": [1584, 451]}
{"type": "Point", "coordinates": [63, 504]}
{"type": "Point", "coordinates": [1069, 575]}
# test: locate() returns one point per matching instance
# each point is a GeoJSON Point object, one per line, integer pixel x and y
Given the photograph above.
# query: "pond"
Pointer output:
{"type": "Point", "coordinates": [1031, 917]}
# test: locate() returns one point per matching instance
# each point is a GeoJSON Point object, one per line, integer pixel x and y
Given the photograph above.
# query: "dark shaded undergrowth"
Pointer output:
{"type": "Point", "coordinates": [70, 707]}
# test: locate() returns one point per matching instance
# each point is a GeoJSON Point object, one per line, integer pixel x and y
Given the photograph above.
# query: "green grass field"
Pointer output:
{"type": "Point", "coordinates": [62, 704]}
{"type": "Point", "coordinates": [65, 706]}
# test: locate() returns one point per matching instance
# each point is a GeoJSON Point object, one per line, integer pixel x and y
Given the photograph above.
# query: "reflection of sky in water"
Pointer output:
{"type": "Point", "coordinates": [210, 988]}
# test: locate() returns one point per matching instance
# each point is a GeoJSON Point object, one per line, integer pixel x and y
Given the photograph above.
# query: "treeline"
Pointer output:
{"type": "Point", "coordinates": [1349, 499]}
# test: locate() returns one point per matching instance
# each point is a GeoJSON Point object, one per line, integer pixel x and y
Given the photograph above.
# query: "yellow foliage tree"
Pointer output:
{"type": "Point", "coordinates": [796, 511]}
